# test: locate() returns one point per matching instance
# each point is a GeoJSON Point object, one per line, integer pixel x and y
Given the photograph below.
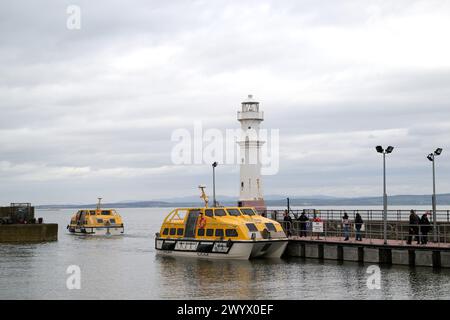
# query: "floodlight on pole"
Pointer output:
{"type": "Point", "coordinates": [214, 165]}
{"type": "Point", "coordinates": [432, 157]}
{"type": "Point", "coordinates": [383, 151]}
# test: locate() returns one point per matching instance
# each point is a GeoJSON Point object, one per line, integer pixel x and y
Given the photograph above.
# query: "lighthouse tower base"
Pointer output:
{"type": "Point", "coordinates": [259, 204]}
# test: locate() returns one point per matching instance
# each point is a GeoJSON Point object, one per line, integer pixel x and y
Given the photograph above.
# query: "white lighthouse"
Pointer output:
{"type": "Point", "coordinates": [251, 189]}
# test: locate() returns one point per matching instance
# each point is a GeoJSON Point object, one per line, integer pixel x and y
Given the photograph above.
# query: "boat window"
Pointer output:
{"type": "Point", "coordinates": [92, 212]}
{"type": "Point", "coordinates": [180, 231]}
{"type": "Point", "coordinates": [105, 213]}
{"type": "Point", "coordinates": [209, 213]}
{"type": "Point", "coordinates": [251, 227]}
{"type": "Point", "coordinates": [112, 220]}
{"type": "Point", "coordinates": [270, 227]}
{"type": "Point", "coordinates": [99, 220]}
{"type": "Point", "coordinates": [248, 212]}
{"type": "Point", "coordinates": [201, 232]}
{"type": "Point", "coordinates": [234, 212]}
{"type": "Point", "coordinates": [173, 231]}
{"type": "Point", "coordinates": [209, 232]}
{"type": "Point", "coordinates": [219, 212]}
{"type": "Point", "coordinates": [219, 233]}
{"type": "Point", "coordinates": [231, 233]}
{"type": "Point", "coordinates": [166, 231]}
{"type": "Point", "coordinates": [180, 214]}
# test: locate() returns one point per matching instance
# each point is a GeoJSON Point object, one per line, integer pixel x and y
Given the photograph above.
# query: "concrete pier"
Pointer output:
{"type": "Point", "coordinates": [371, 251]}
{"type": "Point", "coordinates": [22, 233]}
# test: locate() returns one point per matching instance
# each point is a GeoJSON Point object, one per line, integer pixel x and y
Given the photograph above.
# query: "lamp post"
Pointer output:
{"type": "Point", "coordinates": [384, 152]}
{"type": "Point", "coordinates": [214, 165]}
{"type": "Point", "coordinates": [431, 157]}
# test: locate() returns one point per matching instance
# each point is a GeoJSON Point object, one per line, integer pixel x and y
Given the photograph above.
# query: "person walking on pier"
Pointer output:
{"type": "Point", "coordinates": [287, 222]}
{"type": "Point", "coordinates": [303, 224]}
{"type": "Point", "coordinates": [358, 225]}
{"type": "Point", "coordinates": [424, 227]}
{"type": "Point", "coordinates": [346, 225]}
{"type": "Point", "coordinates": [413, 227]}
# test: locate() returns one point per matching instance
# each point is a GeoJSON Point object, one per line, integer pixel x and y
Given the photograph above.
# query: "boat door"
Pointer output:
{"type": "Point", "coordinates": [81, 218]}
{"type": "Point", "coordinates": [191, 223]}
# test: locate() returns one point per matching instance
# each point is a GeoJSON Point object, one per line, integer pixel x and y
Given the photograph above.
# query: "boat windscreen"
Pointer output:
{"type": "Point", "coordinates": [219, 212]}
{"type": "Point", "coordinates": [209, 213]}
{"type": "Point", "coordinates": [248, 212]}
{"type": "Point", "coordinates": [234, 212]}
{"type": "Point", "coordinates": [180, 214]}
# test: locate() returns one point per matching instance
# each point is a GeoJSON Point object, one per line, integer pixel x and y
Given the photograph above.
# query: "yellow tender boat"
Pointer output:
{"type": "Point", "coordinates": [220, 232]}
{"type": "Point", "coordinates": [96, 222]}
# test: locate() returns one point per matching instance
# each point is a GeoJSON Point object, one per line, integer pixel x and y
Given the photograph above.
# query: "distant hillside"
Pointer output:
{"type": "Point", "coordinates": [443, 199]}
{"type": "Point", "coordinates": [407, 200]}
{"type": "Point", "coordinates": [128, 204]}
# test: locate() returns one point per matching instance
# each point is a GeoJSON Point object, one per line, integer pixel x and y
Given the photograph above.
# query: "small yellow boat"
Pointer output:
{"type": "Point", "coordinates": [96, 222]}
{"type": "Point", "coordinates": [220, 232]}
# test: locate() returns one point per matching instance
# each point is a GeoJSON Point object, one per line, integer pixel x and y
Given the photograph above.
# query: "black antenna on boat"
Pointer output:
{"type": "Point", "coordinates": [99, 203]}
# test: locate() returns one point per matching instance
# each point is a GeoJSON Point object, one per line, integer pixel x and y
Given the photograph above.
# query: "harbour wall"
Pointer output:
{"type": "Point", "coordinates": [396, 230]}
{"type": "Point", "coordinates": [17, 233]}
{"type": "Point", "coordinates": [370, 253]}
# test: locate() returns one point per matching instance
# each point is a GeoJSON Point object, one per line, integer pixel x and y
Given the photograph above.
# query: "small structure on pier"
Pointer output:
{"type": "Point", "coordinates": [18, 224]}
{"type": "Point", "coordinates": [17, 213]}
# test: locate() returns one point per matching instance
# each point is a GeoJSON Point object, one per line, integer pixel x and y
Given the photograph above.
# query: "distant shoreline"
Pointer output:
{"type": "Point", "coordinates": [400, 200]}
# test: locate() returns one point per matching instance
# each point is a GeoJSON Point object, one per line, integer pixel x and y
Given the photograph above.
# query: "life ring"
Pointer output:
{"type": "Point", "coordinates": [202, 223]}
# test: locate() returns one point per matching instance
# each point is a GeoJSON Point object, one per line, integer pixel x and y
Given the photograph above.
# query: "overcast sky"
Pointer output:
{"type": "Point", "coordinates": [90, 112]}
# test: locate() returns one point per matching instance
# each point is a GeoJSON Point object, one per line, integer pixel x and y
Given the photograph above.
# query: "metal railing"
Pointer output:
{"type": "Point", "coordinates": [400, 232]}
{"type": "Point", "coordinates": [366, 214]}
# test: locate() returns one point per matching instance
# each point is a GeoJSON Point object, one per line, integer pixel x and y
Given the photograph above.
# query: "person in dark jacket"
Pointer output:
{"type": "Point", "coordinates": [358, 225]}
{"type": "Point", "coordinates": [287, 223]}
{"type": "Point", "coordinates": [424, 228]}
{"type": "Point", "coordinates": [413, 227]}
{"type": "Point", "coordinates": [303, 224]}
{"type": "Point", "coordinates": [346, 226]}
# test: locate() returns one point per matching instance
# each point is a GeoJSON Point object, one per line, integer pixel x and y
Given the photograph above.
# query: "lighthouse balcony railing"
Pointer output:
{"type": "Point", "coordinates": [250, 115]}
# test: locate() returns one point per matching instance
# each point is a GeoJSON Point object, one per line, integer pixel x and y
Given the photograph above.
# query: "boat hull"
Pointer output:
{"type": "Point", "coordinates": [240, 250]}
{"type": "Point", "coordinates": [101, 231]}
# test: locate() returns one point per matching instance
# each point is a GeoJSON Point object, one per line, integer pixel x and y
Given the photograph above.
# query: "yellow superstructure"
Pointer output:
{"type": "Point", "coordinates": [220, 232]}
{"type": "Point", "coordinates": [225, 223]}
{"type": "Point", "coordinates": [96, 221]}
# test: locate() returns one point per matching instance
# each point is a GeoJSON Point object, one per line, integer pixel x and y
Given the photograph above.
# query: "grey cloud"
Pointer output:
{"type": "Point", "coordinates": [94, 109]}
